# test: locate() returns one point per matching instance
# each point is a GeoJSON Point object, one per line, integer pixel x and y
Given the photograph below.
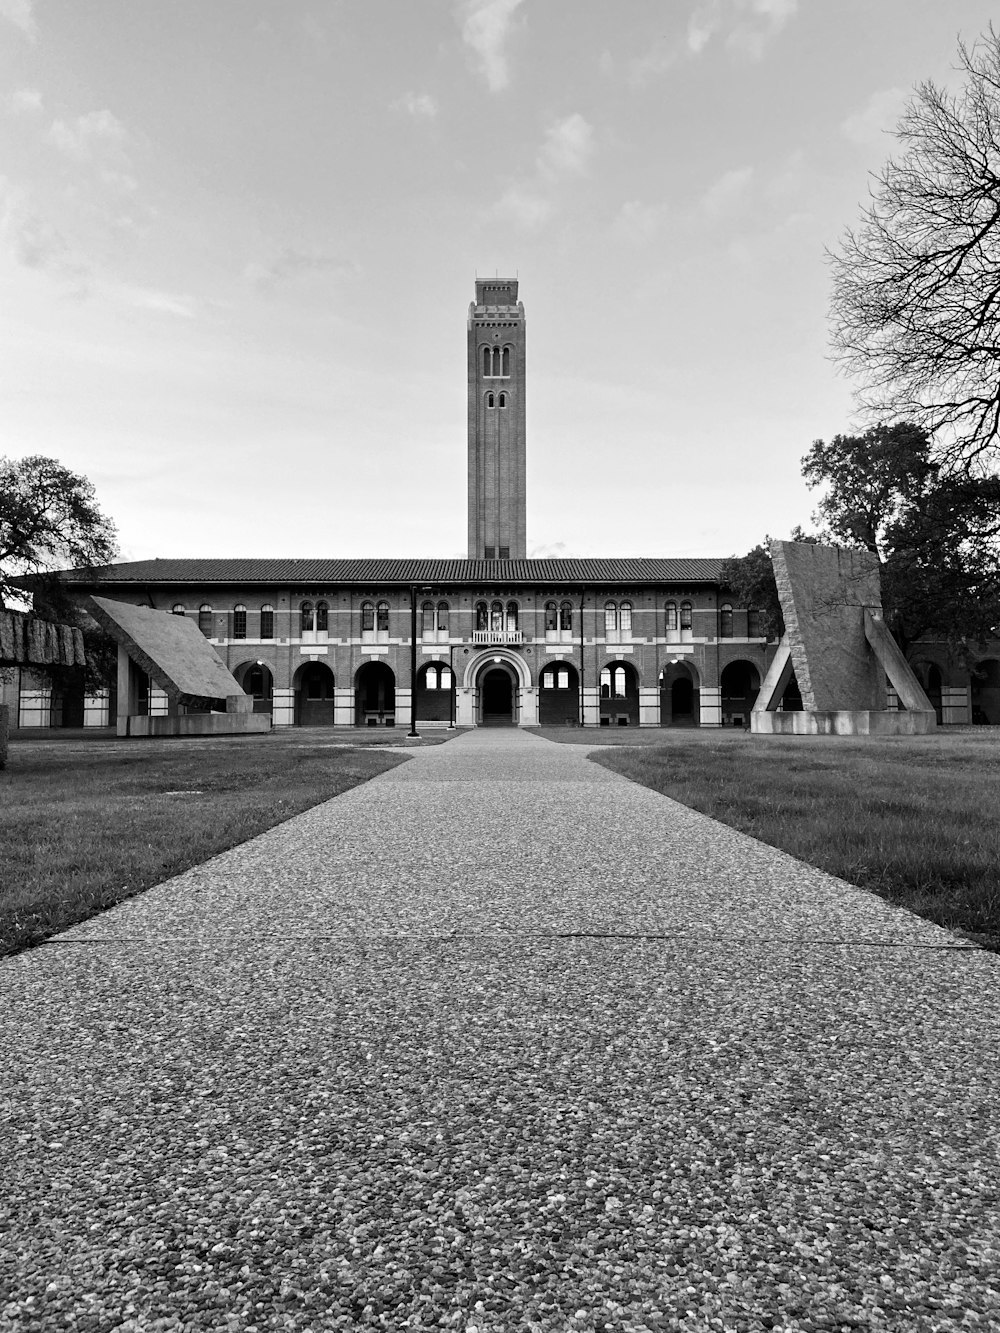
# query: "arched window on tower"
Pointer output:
{"type": "Point", "coordinates": [490, 400]}
{"type": "Point", "coordinates": [487, 360]}
{"type": "Point", "coordinates": [505, 366]}
{"type": "Point", "coordinates": [503, 400]}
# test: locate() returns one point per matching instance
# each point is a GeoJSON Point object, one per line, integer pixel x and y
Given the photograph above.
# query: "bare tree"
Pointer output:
{"type": "Point", "coordinates": [915, 310]}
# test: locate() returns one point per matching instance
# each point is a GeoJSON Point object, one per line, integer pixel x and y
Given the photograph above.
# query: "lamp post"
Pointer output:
{"type": "Point", "coordinates": [413, 659]}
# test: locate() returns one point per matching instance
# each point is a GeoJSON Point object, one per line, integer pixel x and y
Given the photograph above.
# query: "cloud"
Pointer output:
{"type": "Point", "coordinates": [91, 137]}
{"type": "Point", "coordinates": [485, 26]}
{"type": "Point", "coordinates": [567, 147]}
{"type": "Point", "coordinates": [23, 101]}
{"type": "Point", "coordinates": [638, 222]}
{"type": "Point", "coordinates": [566, 150]}
{"type": "Point", "coordinates": [147, 298]}
{"type": "Point", "coordinates": [876, 118]}
{"type": "Point", "coordinates": [419, 105]}
{"type": "Point", "coordinates": [746, 25]}
{"type": "Point", "coordinates": [291, 263]}
{"type": "Point", "coordinates": [21, 14]}
{"type": "Point", "coordinates": [523, 206]}
{"type": "Point", "coordinates": [724, 196]}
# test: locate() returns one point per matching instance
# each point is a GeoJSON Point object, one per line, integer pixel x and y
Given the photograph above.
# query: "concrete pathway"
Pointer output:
{"type": "Point", "coordinates": [497, 1041]}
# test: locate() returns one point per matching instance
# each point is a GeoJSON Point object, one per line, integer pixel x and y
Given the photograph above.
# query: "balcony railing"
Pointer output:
{"type": "Point", "coordinates": [497, 636]}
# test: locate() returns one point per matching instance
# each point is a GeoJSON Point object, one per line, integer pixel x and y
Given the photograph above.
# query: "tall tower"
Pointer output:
{"type": "Point", "coordinates": [496, 422]}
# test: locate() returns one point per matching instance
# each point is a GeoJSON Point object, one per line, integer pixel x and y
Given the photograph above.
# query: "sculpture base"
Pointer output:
{"type": "Point", "coordinates": [195, 724]}
{"type": "Point", "coordinates": [845, 722]}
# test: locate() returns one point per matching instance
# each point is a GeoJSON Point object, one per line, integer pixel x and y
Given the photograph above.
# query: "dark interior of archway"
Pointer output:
{"type": "Point", "coordinates": [498, 698]}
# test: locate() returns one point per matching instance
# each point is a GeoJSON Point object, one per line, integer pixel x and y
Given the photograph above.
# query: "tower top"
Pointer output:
{"type": "Point", "coordinates": [496, 291]}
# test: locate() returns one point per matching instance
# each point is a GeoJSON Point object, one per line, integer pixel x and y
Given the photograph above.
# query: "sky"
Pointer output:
{"type": "Point", "coordinates": [239, 238]}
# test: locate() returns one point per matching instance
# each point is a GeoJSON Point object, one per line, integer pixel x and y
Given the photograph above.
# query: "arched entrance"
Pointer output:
{"type": "Point", "coordinates": [497, 695]}
{"type": "Point", "coordinates": [258, 682]}
{"type": "Point", "coordinates": [435, 700]}
{"type": "Point", "coordinates": [680, 703]}
{"type": "Point", "coordinates": [313, 685]}
{"type": "Point", "coordinates": [986, 692]}
{"type": "Point", "coordinates": [559, 695]}
{"type": "Point", "coordinates": [740, 686]}
{"type": "Point", "coordinates": [619, 685]}
{"type": "Point", "coordinates": [375, 696]}
{"type": "Point", "coordinates": [929, 675]}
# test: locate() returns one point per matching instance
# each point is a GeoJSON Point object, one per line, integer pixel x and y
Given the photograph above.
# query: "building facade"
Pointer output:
{"type": "Point", "coordinates": [498, 639]}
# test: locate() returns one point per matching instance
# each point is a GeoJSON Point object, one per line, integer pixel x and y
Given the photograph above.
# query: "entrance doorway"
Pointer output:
{"type": "Point", "coordinates": [496, 693]}
{"type": "Point", "coordinates": [375, 696]}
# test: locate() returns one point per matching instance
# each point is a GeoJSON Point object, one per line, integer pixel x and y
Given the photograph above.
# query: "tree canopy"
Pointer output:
{"type": "Point", "coordinates": [915, 310]}
{"type": "Point", "coordinates": [49, 519]}
{"type": "Point", "coordinates": [936, 533]}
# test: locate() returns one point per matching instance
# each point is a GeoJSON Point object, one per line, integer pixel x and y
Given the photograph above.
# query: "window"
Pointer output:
{"type": "Point", "coordinates": [437, 677]}
{"type": "Point", "coordinates": [496, 617]}
{"type": "Point", "coordinates": [555, 678]}
{"type": "Point", "coordinates": [671, 617]}
{"type": "Point", "coordinates": [239, 621]}
{"type": "Point", "coordinates": [490, 553]}
{"type": "Point", "coordinates": [505, 364]}
{"type": "Point", "coordinates": [496, 362]}
{"type": "Point", "coordinates": [566, 617]}
{"type": "Point", "coordinates": [382, 617]}
{"type": "Point", "coordinates": [504, 552]}
{"type": "Point", "coordinates": [613, 682]}
{"type": "Point", "coordinates": [177, 609]}
{"type": "Point", "coordinates": [367, 617]}
{"type": "Point", "coordinates": [205, 619]}
{"type": "Point", "coordinates": [257, 682]}
{"type": "Point", "coordinates": [322, 617]}
{"type": "Point", "coordinates": [434, 620]}
{"type": "Point", "coordinates": [512, 610]}
{"type": "Point", "coordinates": [502, 402]}
{"type": "Point", "coordinates": [487, 360]}
{"type": "Point", "coordinates": [617, 621]}
{"type": "Point", "coordinates": [551, 619]}
{"type": "Point", "coordinates": [490, 400]}
{"type": "Point", "coordinates": [482, 616]}
{"type": "Point", "coordinates": [755, 624]}
{"type": "Point", "coordinates": [307, 617]}
{"type": "Point", "coordinates": [726, 620]}
{"type": "Point", "coordinates": [267, 622]}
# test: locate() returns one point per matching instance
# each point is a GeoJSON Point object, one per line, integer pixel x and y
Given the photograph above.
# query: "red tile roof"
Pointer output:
{"type": "Point", "coordinates": [386, 573]}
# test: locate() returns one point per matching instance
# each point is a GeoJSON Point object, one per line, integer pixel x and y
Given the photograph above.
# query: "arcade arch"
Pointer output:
{"type": "Point", "coordinates": [313, 686]}
{"type": "Point", "coordinates": [680, 704]}
{"type": "Point", "coordinates": [375, 695]}
{"type": "Point", "coordinates": [558, 695]}
{"type": "Point", "coordinates": [740, 684]}
{"type": "Point", "coordinates": [619, 694]}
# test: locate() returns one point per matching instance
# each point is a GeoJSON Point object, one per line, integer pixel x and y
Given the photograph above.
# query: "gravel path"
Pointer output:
{"type": "Point", "coordinates": [500, 1041]}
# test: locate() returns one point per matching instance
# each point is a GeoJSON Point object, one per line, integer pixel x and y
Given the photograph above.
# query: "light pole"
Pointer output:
{"type": "Point", "coordinates": [413, 659]}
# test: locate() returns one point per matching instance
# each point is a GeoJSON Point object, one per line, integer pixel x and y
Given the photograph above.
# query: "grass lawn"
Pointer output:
{"type": "Point", "coordinates": [87, 823]}
{"type": "Point", "coordinates": [917, 820]}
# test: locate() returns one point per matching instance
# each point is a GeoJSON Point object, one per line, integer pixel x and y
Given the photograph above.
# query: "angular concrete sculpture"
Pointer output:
{"type": "Point", "coordinates": [176, 657]}
{"type": "Point", "coordinates": [26, 641]}
{"type": "Point", "coordinates": [839, 649]}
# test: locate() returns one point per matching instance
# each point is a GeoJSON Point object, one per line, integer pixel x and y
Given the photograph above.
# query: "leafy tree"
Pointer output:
{"type": "Point", "coordinates": [934, 531]}
{"type": "Point", "coordinates": [750, 578]}
{"type": "Point", "coordinates": [49, 518]}
{"type": "Point", "coordinates": [916, 288]}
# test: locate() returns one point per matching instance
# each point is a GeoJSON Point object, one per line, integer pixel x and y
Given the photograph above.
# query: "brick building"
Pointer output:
{"type": "Point", "coordinates": [496, 638]}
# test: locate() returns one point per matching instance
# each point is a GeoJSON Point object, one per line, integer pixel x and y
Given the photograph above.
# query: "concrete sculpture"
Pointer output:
{"type": "Point", "coordinates": [202, 696]}
{"type": "Point", "coordinates": [839, 650]}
